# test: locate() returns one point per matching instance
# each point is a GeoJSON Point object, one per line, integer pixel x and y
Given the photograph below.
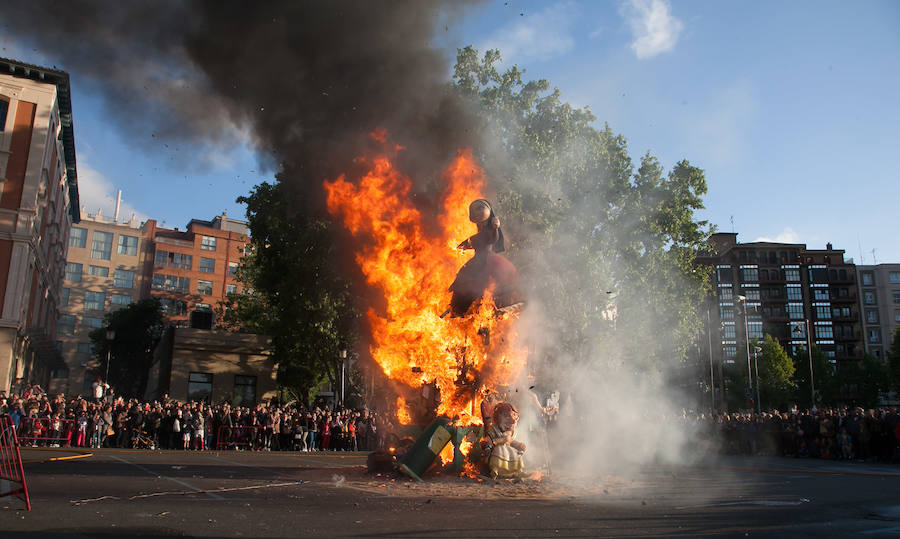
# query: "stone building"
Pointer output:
{"type": "Point", "coordinates": [213, 366]}
{"type": "Point", "coordinates": [879, 300]}
{"type": "Point", "coordinates": [106, 269]}
{"type": "Point", "coordinates": [38, 205]}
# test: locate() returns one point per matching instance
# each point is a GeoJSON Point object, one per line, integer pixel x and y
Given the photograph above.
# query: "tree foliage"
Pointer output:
{"type": "Point", "coordinates": [138, 328]}
{"type": "Point", "coordinates": [894, 362]}
{"type": "Point", "coordinates": [776, 370]}
{"type": "Point", "coordinates": [586, 222]}
{"type": "Point", "coordinates": [862, 382]}
{"type": "Point", "coordinates": [292, 290]}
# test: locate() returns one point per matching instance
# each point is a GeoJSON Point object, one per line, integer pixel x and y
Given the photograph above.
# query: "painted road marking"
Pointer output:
{"type": "Point", "coordinates": [174, 480]}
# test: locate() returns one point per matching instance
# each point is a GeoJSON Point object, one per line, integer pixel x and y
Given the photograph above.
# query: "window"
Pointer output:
{"type": "Point", "coordinates": [868, 278]}
{"type": "Point", "coordinates": [73, 272]}
{"type": "Point", "coordinates": [208, 243]}
{"type": "Point", "coordinates": [231, 289]}
{"type": "Point", "coordinates": [92, 322]}
{"type": "Point", "coordinates": [726, 293]}
{"type": "Point", "coordinates": [127, 245]}
{"type": "Point", "coordinates": [173, 307]}
{"type": "Point", "coordinates": [752, 294]}
{"type": "Point", "coordinates": [823, 312]}
{"type": "Point", "coordinates": [896, 316]}
{"type": "Point", "coordinates": [244, 390]}
{"type": "Point", "coordinates": [728, 330]}
{"type": "Point", "coordinates": [199, 386]}
{"type": "Point", "coordinates": [123, 278]}
{"type": "Point", "coordinates": [66, 324]}
{"type": "Point", "coordinates": [204, 287]}
{"type": "Point", "coordinates": [726, 312]}
{"type": "Point", "coordinates": [749, 274]}
{"type": "Point", "coordinates": [824, 332]}
{"type": "Point", "coordinates": [94, 301]}
{"type": "Point", "coordinates": [101, 247]}
{"type": "Point", "coordinates": [171, 282]}
{"type": "Point", "coordinates": [232, 268]}
{"type": "Point", "coordinates": [730, 350]}
{"type": "Point", "coordinates": [120, 299]}
{"type": "Point", "coordinates": [798, 330]}
{"type": "Point", "coordinates": [99, 271]}
{"type": "Point", "coordinates": [871, 316]}
{"type": "Point", "coordinates": [174, 260]}
{"type": "Point", "coordinates": [724, 274]}
{"type": "Point", "coordinates": [207, 265]}
{"type": "Point", "coordinates": [78, 237]}
{"type": "Point", "coordinates": [4, 111]}
{"type": "Point", "coordinates": [818, 274]}
{"type": "Point", "coordinates": [64, 297]}
{"type": "Point", "coordinates": [794, 293]}
{"type": "Point", "coordinates": [820, 294]}
{"type": "Point", "coordinates": [755, 330]}
{"type": "Point", "coordinates": [896, 294]}
{"type": "Point", "coordinates": [894, 277]}
{"type": "Point", "coordinates": [869, 298]}
{"type": "Point", "coordinates": [85, 348]}
{"type": "Point", "coordinates": [795, 311]}
{"type": "Point", "coordinates": [874, 335]}
{"type": "Point", "coordinates": [792, 275]}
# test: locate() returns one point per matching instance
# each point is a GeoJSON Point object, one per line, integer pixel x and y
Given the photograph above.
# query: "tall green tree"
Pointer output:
{"type": "Point", "coordinates": [894, 362]}
{"type": "Point", "coordinates": [138, 328]}
{"type": "Point", "coordinates": [862, 382]}
{"type": "Point", "coordinates": [587, 223]}
{"type": "Point", "coordinates": [825, 378]}
{"type": "Point", "coordinates": [775, 371]}
{"type": "Point", "coordinates": [293, 290]}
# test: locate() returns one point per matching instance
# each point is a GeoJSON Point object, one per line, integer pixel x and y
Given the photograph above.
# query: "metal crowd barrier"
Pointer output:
{"type": "Point", "coordinates": [11, 463]}
{"type": "Point", "coordinates": [48, 429]}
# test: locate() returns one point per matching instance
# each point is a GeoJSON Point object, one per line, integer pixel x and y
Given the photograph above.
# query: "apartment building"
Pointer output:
{"type": "Point", "coordinates": [38, 205]}
{"type": "Point", "coordinates": [193, 270]}
{"type": "Point", "coordinates": [879, 287]}
{"type": "Point", "coordinates": [783, 290]}
{"type": "Point", "coordinates": [105, 270]}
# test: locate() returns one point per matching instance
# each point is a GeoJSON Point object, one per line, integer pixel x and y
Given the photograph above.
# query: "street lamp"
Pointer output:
{"type": "Point", "coordinates": [743, 300]}
{"type": "Point", "coordinates": [110, 337]}
{"type": "Point", "coordinates": [343, 364]}
{"type": "Point", "coordinates": [812, 383]}
{"type": "Point", "coordinates": [756, 351]}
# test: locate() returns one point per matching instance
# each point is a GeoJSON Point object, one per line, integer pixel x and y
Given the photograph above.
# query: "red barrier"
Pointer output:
{"type": "Point", "coordinates": [48, 430]}
{"type": "Point", "coordinates": [11, 462]}
{"type": "Point", "coordinates": [234, 437]}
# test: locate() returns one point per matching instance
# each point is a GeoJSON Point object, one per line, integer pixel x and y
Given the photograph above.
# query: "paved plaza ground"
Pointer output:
{"type": "Point", "coordinates": [116, 493]}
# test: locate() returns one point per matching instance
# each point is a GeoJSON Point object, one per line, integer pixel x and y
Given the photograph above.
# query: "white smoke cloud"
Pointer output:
{"type": "Point", "coordinates": [654, 28]}
{"type": "Point", "coordinates": [97, 192]}
{"type": "Point", "coordinates": [541, 36]}
{"type": "Point", "coordinates": [788, 235]}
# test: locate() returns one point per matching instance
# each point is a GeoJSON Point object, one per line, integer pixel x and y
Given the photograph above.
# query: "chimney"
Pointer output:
{"type": "Point", "coordinates": [118, 205]}
{"type": "Point", "coordinates": [829, 246]}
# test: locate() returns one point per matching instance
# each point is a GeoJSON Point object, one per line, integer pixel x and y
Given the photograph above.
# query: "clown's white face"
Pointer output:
{"type": "Point", "coordinates": [507, 419]}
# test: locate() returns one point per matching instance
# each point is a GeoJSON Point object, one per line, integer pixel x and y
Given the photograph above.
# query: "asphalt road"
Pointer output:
{"type": "Point", "coordinates": [117, 493]}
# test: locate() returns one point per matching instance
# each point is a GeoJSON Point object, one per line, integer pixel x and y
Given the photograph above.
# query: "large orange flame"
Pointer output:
{"type": "Point", "coordinates": [412, 265]}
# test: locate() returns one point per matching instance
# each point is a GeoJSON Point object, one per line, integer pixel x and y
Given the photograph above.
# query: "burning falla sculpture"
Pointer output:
{"type": "Point", "coordinates": [486, 270]}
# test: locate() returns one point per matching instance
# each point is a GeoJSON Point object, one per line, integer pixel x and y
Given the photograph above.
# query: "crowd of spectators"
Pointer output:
{"type": "Point", "coordinates": [850, 434]}
{"type": "Point", "coordinates": [45, 420]}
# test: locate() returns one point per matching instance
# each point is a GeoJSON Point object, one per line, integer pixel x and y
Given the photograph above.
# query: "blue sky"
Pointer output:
{"type": "Point", "coordinates": [790, 108]}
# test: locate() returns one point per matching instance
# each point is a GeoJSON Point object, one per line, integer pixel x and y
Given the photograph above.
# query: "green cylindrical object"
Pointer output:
{"type": "Point", "coordinates": [427, 447]}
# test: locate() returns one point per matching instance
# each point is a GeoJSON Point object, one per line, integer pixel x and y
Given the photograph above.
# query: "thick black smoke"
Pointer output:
{"type": "Point", "coordinates": [305, 80]}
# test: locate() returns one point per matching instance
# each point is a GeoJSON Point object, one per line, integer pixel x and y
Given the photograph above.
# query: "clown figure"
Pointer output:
{"type": "Point", "coordinates": [504, 453]}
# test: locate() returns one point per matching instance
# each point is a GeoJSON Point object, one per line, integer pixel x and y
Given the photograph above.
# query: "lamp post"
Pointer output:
{"type": "Point", "coordinates": [743, 300]}
{"type": "Point", "coordinates": [343, 364]}
{"type": "Point", "coordinates": [812, 383]}
{"type": "Point", "coordinates": [756, 351]}
{"type": "Point", "coordinates": [110, 337]}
